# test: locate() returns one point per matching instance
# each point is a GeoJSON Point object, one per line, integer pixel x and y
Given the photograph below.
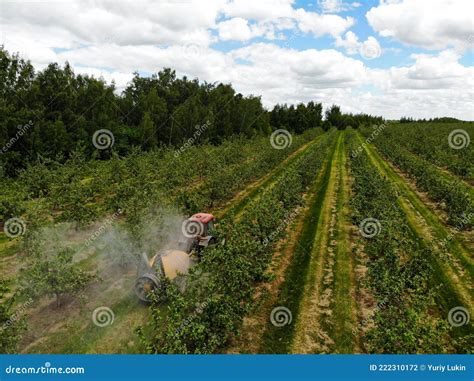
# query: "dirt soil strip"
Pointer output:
{"type": "Point", "coordinates": [278, 339]}
{"type": "Point", "coordinates": [454, 267]}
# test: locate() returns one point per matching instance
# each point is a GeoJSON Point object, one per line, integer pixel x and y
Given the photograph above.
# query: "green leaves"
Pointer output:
{"type": "Point", "coordinates": [430, 141]}
{"type": "Point", "coordinates": [11, 320]}
{"type": "Point", "coordinates": [54, 276]}
{"type": "Point", "coordinates": [399, 270]}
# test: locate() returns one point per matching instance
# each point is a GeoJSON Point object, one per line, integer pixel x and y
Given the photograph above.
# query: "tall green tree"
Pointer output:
{"type": "Point", "coordinates": [148, 138]}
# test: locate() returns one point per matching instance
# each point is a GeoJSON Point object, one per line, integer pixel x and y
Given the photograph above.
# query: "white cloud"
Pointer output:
{"type": "Point", "coordinates": [336, 6]}
{"type": "Point", "coordinates": [310, 68]}
{"type": "Point", "coordinates": [350, 42]}
{"type": "Point", "coordinates": [121, 79]}
{"type": "Point", "coordinates": [259, 9]}
{"type": "Point", "coordinates": [312, 22]}
{"type": "Point", "coordinates": [432, 72]}
{"type": "Point", "coordinates": [143, 36]}
{"type": "Point", "coordinates": [369, 49]}
{"type": "Point", "coordinates": [239, 29]}
{"type": "Point", "coordinates": [436, 24]}
{"type": "Point", "coordinates": [236, 28]}
{"type": "Point", "coordinates": [35, 28]}
{"type": "Point", "coordinates": [121, 22]}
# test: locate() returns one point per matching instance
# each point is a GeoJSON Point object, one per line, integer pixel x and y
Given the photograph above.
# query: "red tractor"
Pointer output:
{"type": "Point", "coordinates": [173, 264]}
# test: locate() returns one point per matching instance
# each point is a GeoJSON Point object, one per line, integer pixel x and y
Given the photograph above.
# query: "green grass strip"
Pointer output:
{"type": "Point", "coordinates": [279, 339]}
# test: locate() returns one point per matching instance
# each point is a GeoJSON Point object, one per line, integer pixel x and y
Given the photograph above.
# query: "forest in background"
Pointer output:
{"type": "Point", "coordinates": [50, 114]}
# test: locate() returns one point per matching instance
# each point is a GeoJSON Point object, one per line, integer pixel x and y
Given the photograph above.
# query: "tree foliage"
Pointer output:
{"type": "Point", "coordinates": [54, 275]}
{"type": "Point", "coordinates": [11, 324]}
{"type": "Point", "coordinates": [66, 110]}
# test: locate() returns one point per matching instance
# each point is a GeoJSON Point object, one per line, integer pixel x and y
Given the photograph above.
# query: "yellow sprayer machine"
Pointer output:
{"type": "Point", "coordinates": [175, 263]}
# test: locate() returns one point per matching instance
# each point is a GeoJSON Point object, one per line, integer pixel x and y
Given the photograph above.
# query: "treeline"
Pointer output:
{"type": "Point", "coordinates": [405, 119]}
{"type": "Point", "coordinates": [55, 112]}
{"type": "Point", "coordinates": [334, 117]}
{"type": "Point", "coordinates": [301, 117]}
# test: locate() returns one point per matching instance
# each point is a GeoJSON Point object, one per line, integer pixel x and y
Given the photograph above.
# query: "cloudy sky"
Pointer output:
{"type": "Point", "coordinates": [388, 57]}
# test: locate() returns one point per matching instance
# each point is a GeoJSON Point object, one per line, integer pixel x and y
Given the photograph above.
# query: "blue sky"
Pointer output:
{"type": "Point", "coordinates": [395, 53]}
{"type": "Point", "coordinates": [388, 57]}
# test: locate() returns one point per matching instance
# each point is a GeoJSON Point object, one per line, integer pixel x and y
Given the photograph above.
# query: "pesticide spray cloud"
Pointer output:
{"type": "Point", "coordinates": [121, 245]}
{"type": "Point", "coordinates": [116, 248]}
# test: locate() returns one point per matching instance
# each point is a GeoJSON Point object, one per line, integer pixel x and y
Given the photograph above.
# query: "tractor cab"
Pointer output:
{"type": "Point", "coordinates": [206, 220]}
